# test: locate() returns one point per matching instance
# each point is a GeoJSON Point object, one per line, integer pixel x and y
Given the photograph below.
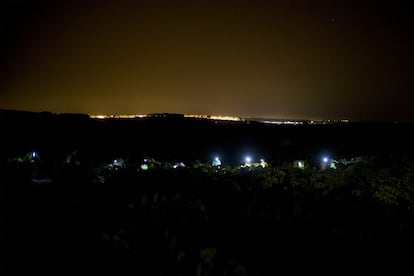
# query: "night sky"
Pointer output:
{"type": "Point", "coordinates": [280, 59]}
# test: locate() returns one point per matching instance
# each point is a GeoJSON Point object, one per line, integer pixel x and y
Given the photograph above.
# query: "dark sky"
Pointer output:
{"type": "Point", "coordinates": [282, 59]}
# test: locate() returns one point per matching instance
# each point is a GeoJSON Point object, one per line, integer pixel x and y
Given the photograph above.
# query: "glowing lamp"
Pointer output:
{"type": "Point", "coordinates": [263, 163]}
{"type": "Point", "coordinates": [179, 165]}
{"type": "Point", "coordinates": [216, 162]}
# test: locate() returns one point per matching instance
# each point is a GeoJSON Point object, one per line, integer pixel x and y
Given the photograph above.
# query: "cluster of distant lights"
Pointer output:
{"type": "Point", "coordinates": [225, 118]}
{"type": "Point", "coordinates": [213, 117]}
{"type": "Point", "coordinates": [282, 122]}
{"type": "Point", "coordinates": [135, 116]}
{"type": "Point", "coordinates": [301, 122]}
{"type": "Point", "coordinates": [122, 116]}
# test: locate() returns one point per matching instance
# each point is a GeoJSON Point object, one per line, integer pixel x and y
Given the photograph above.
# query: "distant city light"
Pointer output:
{"type": "Point", "coordinates": [224, 118]}
{"type": "Point", "coordinates": [118, 116]}
{"type": "Point", "coordinates": [213, 117]}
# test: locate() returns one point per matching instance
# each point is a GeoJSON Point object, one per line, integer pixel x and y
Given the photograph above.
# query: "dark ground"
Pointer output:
{"type": "Point", "coordinates": [197, 221]}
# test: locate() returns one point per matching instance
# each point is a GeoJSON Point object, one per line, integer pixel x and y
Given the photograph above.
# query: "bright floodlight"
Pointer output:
{"type": "Point", "coordinates": [33, 154]}
{"type": "Point", "coordinates": [248, 159]}
{"type": "Point", "coordinates": [115, 161]}
{"type": "Point", "coordinates": [216, 162]}
{"type": "Point", "coordinates": [325, 159]}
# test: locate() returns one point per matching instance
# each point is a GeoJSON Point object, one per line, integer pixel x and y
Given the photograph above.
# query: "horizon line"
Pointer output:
{"type": "Point", "coordinates": [212, 117]}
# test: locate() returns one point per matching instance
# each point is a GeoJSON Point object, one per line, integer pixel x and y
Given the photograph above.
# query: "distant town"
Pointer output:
{"type": "Point", "coordinates": [221, 118]}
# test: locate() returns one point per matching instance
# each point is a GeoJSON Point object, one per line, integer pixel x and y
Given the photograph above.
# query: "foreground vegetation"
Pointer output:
{"type": "Point", "coordinates": [202, 220]}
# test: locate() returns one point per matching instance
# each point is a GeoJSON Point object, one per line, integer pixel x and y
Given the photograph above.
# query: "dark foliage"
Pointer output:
{"type": "Point", "coordinates": [199, 220]}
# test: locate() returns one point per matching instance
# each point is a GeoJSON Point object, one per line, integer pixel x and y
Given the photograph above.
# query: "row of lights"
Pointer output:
{"type": "Point", "coordinates": [216, 162]}
{"type": "Point", "coordinates": [247, 162]}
